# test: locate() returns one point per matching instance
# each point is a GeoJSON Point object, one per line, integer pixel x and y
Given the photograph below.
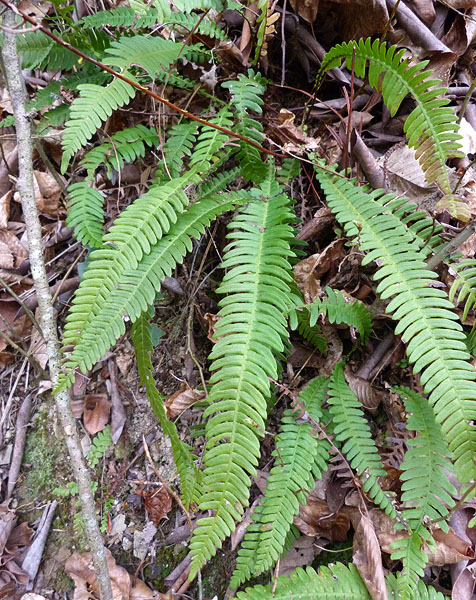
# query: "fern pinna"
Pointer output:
{"type": "Point", "coordinates": [300, 459]}
{"type": "Point", "coordinates": [435, 340]}
{"type": "Point", "coordinates": [431, 128]}
{"type": "Point", "coordinates": [250, 332]}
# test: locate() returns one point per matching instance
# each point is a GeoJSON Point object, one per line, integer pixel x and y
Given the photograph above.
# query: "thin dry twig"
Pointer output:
{"type": "Point", "coordinates": [21, 424]}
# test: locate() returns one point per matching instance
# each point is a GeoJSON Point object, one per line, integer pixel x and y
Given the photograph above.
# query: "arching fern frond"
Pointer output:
{"type": "Point", "coordinates": [40, 51]}
{"type": "Point", "coordinates": [134, 233]}
{"type": "Point", "coordinates": [300, 322]}
{"type": "Point", "coordinates": [411, 551]}
{"type": "Point", "coordinates": [85, 214]}
{"type": "Point", "coordinates": [352, 430]}
{"type": "Point", "coordinates": [142, 340]}
{"type": "Point", "coordinates": [431, 128]}
{"type": "Point", "coordinates": [187, 22]}
{"type": "Point", "coordinates": [95, 104]}
{"type": "Point", "coordinates": [246, 94]}
{"type": "Point", "coordinates": [112, 288]}
{"type": "Point", "coordinates": [338, 309]}
{"type": "Point", "coordinates": [300, 458]}
{"type": "Point", "coordinates": [125, 146]}
{"type": "Point", "coordinates": [250, 333]}
{"type": "Point", "coordinates": [465, 285]}
{"type": "Point", "coordinates": [435, 340]}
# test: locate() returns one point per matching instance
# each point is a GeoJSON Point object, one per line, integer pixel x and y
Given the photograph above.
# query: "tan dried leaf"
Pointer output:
{"type": "Point", "coordinates": [21, 326]}
{"type": "Point", "coordinates": [12, 251]}
{"type": "Point", "coordinates": [363, 390]}
{"type": "Point", "coordinates": [301, 554]}
{"type": "Point", "coordinates": [367, 557]}
{"type": "Point", "coordinates": [97, 409]}
{"type": "Point", "coordinates": [158, 504]}
{"type": "Point", "coordinates": [308, 272]}
{"type": "Point", "coordinates": [5, 209]}
{"type": "Point", "coordinates": [315, 519]}
{"type": "Point", "coordinates": [38, 345]}
{"type": "Point", "coordinates": [459, 4]}
{"type": "Point", "coordinates": [47, 194]}
{"type": "Point", "coordinates": [212, 320]}
{"type": "Point", "coordinates": [306, 9]}
{"type": "Point", "coordinates": [80, 568]}
{"type": "Point", "coordinates": [177, 403]}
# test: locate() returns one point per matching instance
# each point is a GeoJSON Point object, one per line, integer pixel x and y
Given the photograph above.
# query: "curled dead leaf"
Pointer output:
{"type": "Point", "coordinates": [158, 504]}
{"type": "Point", "coordinates": [315, 519]}
{"type": "Point", "coordinates": [97, 409]}
{"type": "Point", "coordinates": [177, 403]}
{"type": "Point", "coordinates": [367, 557]}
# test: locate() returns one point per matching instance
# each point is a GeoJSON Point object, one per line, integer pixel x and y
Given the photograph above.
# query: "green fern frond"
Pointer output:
{"type": "Point", "coordinates": [431, 128]}
{"type": "Point", "coordinates": [101, 442]}
{"type": "Point", "coordinates": [246, 94]}
{"type": "Point", "coordinates": [336, 582]}
{"type": "Point", "coordinates": [427, 491]}
{"type": "Point", "coordinates": [85, 214]}
{"type": "Point", "coordinates": [152, 53]}
{"type": "Point", "coordinates": [251, 331]}
{"type": "Point", "coordinates": [184, 459]}
{"type": "Point", "coordinates": [95, 104]}
{"type": "Point", "coordinates": [465, 285]}
{"type": "Point", "coordinates": [125, 146]}
{"type": "Point", "coordinates": [338, 310]}
{"type": "Point", "coordinates": [134, 233]}
{"type": "Point", "coordinates": [187, 22]}
{"type": "Point", "coordinates": [114, 286]}
{"type": "Point", "coordinates": [300, 458]}
{"type": "Point", "coordinates": [188, 6]}
{"type": "Point", "coordinates": [40, 51]}
{"type": "Point", "coordinates": [422, 592]}
{"type": "Point", "coordinates": [124, 16]}
{"type": "Point", "coordinates": [179, 144]}
{"type": "Point", "coordinates": [411, 551]}
{"type": "Point", "coordinates": [352, 430]}
{"type": "Point", "coordinates": [211, 141]}
{"type": "Point", "coordinates": [435, 340]}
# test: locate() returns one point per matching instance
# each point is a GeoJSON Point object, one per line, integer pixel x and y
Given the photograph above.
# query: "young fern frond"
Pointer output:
{"type": "Point", "coordinates": [250, 333]}
{"type": "Point", "coordinates": [431, 128]}
{"type": "Point", "coordinates": [124, 146]}
{"type": "Point", "coordinates": [352, 430]}
{"type": "Point", "coordinates": [95, 104]}
{"type": "Point", "coordinates": [300, 459]}
{"type": "Point", "coordinates": [246, 94]}
{"type": "Point", "coordinates": [301, 323]}
{"type": "Point", "coordinates": [40, 51]}
{"type": "Point", "coordinates": [465, 285]}
{"type": "Point", "coordinates": [142, 340]}
{"type": "Point", "coordinates": [435, 340]}
{"type": "Point", "coordinates": [426, 488]}
{"type": "Point", "coordinates": [85, 214]}
{"type": "Point", "coordinates": [211, 141]}
{"type": "Point", "coordinates": [338, 310]}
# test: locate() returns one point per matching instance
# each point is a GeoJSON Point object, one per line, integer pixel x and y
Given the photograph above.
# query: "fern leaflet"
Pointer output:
{"type": "Point", "coordinates": [465, 285]}
{"type": "Point", "coordinates": [101, 442]}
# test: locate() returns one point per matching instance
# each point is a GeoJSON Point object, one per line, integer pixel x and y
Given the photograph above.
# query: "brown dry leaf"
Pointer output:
{"type": "Point", "coordinates": [357, 18]}
{"type": "Point", "coordinates": [463, 584]}
{"type": "Point", "coordinates": [450, 548]}
{"type": "Point", "coordinates": [97, 409]}
{"type": "Point", "coordinates": [461, 33]}
{"type": "Point", "coordinates": [158, 504]}
{"type": "Point", "coordinates": [367, 557]}
{"type": "Point", "coordinates": [80, 568]}
{"type": "Point", "coordinates": [306, 9]}
{"type": "Point", "coordinates": [5, 209]}
{"type": "Point", "coordinates": [290, 135]}
{"type": "Point", "coordinates": [363, 390]}
{"type": "Point", "coordinates": [315, 519]}
{"type": "Point", "coordinates": [460, 4]}
{"type": "Point", "coordinates": [301, 554]}
{"type": "Point", "coordinates": [177, 403]}
{"type": "Point", "coordinates": [8, 520]}
{"type": "Point", "coordinates": [35, 8]}
{"type": "Point", "coordinates": [308, 272]}
{"type": "Point", "coordinates": [212, 320]}
{"type": "Point", "coordinates": [8, 322]}
{"type": "Point", "coordinates": [47, 194]}
{"type": "Point", "coordinates": [424, 9]}
{"type": "Point", "coordinates": [230, 53]}
{"type": "Point", "coordinates": [12, 251]}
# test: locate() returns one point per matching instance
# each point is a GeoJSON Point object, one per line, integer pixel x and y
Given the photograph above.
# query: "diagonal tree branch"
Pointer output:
{"type": "Point", "coordinates": [16, 88]}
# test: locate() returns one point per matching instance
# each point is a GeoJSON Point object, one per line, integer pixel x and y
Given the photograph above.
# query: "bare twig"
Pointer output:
{"type": "Point", "coordinates": [368, 163]}
{"type": "Point", "coordinates": [23, 417]}
{"type": "Point", "coordinates": [16, 88]}
{"type": "Point", "coordinates": [32, 559]}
